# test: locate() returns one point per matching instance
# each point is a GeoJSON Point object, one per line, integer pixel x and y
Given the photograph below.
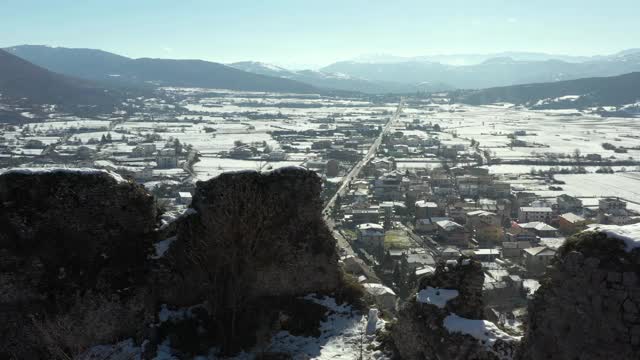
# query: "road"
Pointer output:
{"type": "Point", "coordinates": [355, 171]}
{"type": "Point", "coordinates": [353, 174]}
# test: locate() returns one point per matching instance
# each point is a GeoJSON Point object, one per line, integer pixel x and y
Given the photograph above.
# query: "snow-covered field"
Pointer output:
{"type": "Point", "coordinates": [624, 185]}
{"type": "Point", "coordinates": [554, 131]}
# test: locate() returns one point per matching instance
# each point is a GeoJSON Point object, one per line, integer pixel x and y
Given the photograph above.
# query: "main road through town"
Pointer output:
{"type": "Point", "coordinates": [353, 174]}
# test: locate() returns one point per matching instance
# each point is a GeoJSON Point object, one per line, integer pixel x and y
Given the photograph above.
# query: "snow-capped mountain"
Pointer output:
{"type": "Point", "coordinates": [334, 79]}
{"type": "Point", "coordinates": [484, 71]}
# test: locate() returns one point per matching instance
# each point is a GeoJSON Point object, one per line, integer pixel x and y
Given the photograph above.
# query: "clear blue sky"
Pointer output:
{"type": "Point", "coordinates": [320, 32]}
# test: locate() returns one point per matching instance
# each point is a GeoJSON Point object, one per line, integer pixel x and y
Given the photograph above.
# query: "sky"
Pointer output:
{"type": "Point", "coordinates": [312, 33]}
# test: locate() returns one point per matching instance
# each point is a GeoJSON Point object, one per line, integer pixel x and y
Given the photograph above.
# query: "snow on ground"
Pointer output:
{"type": "Point", "coordinates": [161, 247]}
{"type": "Point", "coordinates": [531, 285]}
{"type": "Point", "coordinates": [629, 234]}
{"type": "Point", "coordinates": [623, 185]}
{"type": "Point", "coordinates": [342, 334]}
{"type": "Point", "coordinates": [485, 331]}
{"type": "Point", "coordinates": [436, 296]}
{"type": "Point", "coordinates": [178, 212]}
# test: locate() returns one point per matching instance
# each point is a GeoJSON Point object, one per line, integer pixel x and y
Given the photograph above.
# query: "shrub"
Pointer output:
{"type": "Point", "coordinates": [351, 292]}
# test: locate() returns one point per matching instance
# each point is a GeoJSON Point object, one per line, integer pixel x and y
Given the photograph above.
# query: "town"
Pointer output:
{"type": "Point", "coordinates": [408, 181]}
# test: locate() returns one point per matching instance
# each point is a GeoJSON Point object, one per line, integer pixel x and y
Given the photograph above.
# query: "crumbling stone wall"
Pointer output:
{"type": "Point", "coordinates": [67, 237]}
{"type": "Point", "coordinates": [419, 332]}
{"type": "Point", "coordinates": [250, 235]}
{"type": "Point", "coordinates": [588, 305]}
{"type": "Point", "coordinates": [75, 269]}
{"type": "Point", "coordinates": [266, 228]}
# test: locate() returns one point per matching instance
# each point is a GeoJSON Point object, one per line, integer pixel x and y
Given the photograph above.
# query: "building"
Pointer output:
{"type": "Point", "coordinates": [418, 260]}
{"type": "Point", "coordinates": [388, 187]}
{"type": "Point", "coordinates": [167, 159]}
{"type": "Point", "coordinates": [571, 223]}
{"type": "Point", "coordinates": [277, 155]}
{"type": "Point", "coordinates": [536, 259]}
{"type": "Point", "coordinates": [499, 190]}
{"type": "Point", "coordinates": [450, 253]}
{"type": "Point", "coordinates": [241, 152]}
{"type": "Point", "coordinates": [143, 150]}
{"type": "Point", "coordinates": [363, 216]}
{"type": "Point", "coordinates": [528, 214]}
{"type": "Point", "coordinates": [429, 224]}
{"type": "Point", "coordinates": [513, 249]}
{"type": "Point", "coordinates": [486, 255]}
{"type": "Point", "coordinates": [453, 233]}
{"type": "Point", "coordinates": [486, 226]}
{"type": "Point", "coordinates": [371, 235]}
{"type": "Point", "coordinates": [567, 203]}
{"type": "Point", "coordinates": [426, 209]}
{"type": "Point", "coordinates": [539, 229]}
{"type": "Point", "coordinates": [383, 296]}
{"type": "Point", "coordinates": [184, 198]}
{"type": "Point", "coordinates": [612, 211]}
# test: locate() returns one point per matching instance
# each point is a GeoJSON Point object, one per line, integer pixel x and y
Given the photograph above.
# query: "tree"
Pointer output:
{"type": "Point", "coordinates": [397, 275]}
{"type": "Point", "coordinates": [436, 127]}
{"type": "Point", "coordinates": [238, 143]}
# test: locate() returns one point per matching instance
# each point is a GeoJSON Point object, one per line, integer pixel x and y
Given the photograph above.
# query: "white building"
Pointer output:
{"type": "Point", "coordinates": [529, 214]}
{"type": "Point", "coordinates": [371, 235]}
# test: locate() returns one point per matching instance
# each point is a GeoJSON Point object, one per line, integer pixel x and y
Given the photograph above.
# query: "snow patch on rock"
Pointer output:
{"type": "Point", "coordinates": [436, 296]}
{"type": "Point", "coordinates": [161, 247]}
{"type": "Point", "coordinates": [57, 170]}
{"type": "Point", "coordinates": [485, 331]}
{"type": "Point", "coordinates": [629, 234]}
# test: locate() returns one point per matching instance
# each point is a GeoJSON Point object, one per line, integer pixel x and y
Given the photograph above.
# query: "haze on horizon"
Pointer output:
{"type": "Point", "coordinates": [302, 34]}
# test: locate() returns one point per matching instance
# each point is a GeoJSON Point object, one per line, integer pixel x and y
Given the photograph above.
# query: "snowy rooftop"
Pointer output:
{"type": "Point", "coordinates": [538, 225]}
{"type": "Point", "coordinates": [536, 209]}
{"type": "Point", "coordinates": [377, 289]}
{"type": "Point", "coordinates": [370, 226]}
{"type": "Point", "coordinates": [571, 217]}
{"type": "Point", "coordinates": [426, 204]}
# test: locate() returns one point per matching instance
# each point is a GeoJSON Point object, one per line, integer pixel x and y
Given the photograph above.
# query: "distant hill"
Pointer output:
{"type": "Point", "coordinates": [588, 92]}
{"type": "Point", "coordinates": [107, 67]}
{"type": "Point", "coordinates": [24, 81]}
{"type": "Point", "coordinates": [336, 80]}
{"type": "Point", "coordinates": [491, 72]}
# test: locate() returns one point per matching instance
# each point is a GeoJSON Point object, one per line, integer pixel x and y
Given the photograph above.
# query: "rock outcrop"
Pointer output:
{"type": "Point", "coordinates": [444, 319]}
{"type": "Point", "coordinates": [588, 305]}
{"type": "Point", "coordinates": [76, 267]}
{"type": "Point", "coordinates": [73, 243]}
{"type": "Point", "coordinates": [250, 235]}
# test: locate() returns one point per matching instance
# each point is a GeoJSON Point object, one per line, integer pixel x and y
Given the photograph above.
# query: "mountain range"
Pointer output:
{"type": "Point", "coordinates": [50, 75]}
{"type": "Point", "coordinates": [499, 71]}
{"type": "Point", "coordinates": [98, 65]}
{"type": "Point", "coordinates": [474, 59]}
{"type": "Point", "coordinates": [22, 80]}
{"type": "Point", "coordinates": [588, 92]}
{"type": "Point", "coordinates": [337, 80]}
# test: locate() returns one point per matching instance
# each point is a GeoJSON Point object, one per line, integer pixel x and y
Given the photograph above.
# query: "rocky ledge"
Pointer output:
{"type": "Point", "coordinates": [588, 305]}
{"type": "Point", "coordinates": [444, 319]}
